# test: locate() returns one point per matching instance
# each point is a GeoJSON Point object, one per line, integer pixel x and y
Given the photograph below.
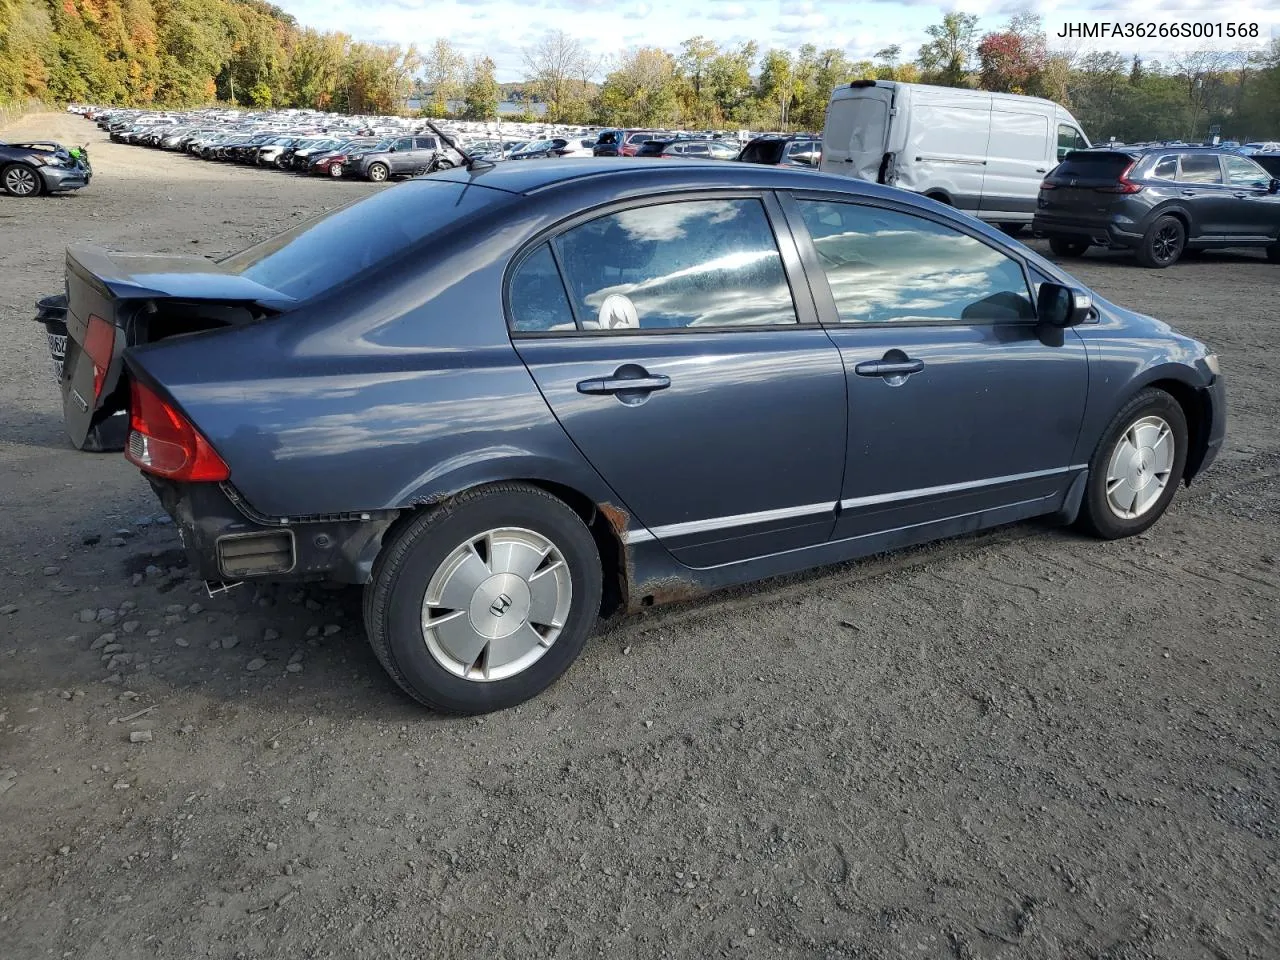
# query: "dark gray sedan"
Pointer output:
{"type": "Point", "coordinates": [511, 400]}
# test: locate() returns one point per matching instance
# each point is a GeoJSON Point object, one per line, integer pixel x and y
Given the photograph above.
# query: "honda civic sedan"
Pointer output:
{"type": "Point", "coordinates": [509, 401]}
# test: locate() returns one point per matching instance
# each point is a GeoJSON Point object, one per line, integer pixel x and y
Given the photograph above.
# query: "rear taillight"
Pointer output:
{"type": "Point", "coordinates": [164, 442]}
{"type": "Point", "coordinates": [1123, 184]}
{"type": "Point", "coordinates": [99, 344]}
{"type": "Point", "coordinates": [1048, 185]}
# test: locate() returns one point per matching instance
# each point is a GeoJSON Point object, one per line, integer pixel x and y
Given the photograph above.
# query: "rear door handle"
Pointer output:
{"type": "Point", "coordinates": [1041, 170]}
{"type": "Point", "coordinates": [1190, 193]}
{"type": "Point", "coordinates": [625, 384]}
{"type": "Point", "coordinates": [1242, 196]}
{"type": "Point", "coordinates": [888, 368]}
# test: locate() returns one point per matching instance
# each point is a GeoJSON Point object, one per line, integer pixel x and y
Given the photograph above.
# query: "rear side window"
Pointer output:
{"type": "Point", "coordinates": [1200, 168]}
{"type": "Point", "coordinates": [890, 267]}
{"type": "Point", "coordinates": [538, 299]}
{"type": "Point", "coordinates": [1093, 166]}
{"type": "Point", "coordinates": [1166, 169]}
{"type": "Point", "coordinates": [695, 263]}
{"type": "Point", "coordinates": [425, 143]}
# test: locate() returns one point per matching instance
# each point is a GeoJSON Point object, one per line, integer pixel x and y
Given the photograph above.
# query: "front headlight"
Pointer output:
{"type": "Point", "coordinates": [1211, 361]}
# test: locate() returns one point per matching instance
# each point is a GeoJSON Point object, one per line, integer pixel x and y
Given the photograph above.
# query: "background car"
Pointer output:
{"type": "Point", "coordinates": [622, 143]}
{"type": "Point", "coordinates": [1269, 162]}
{"type": "Point", "coordinates": [1159, 202]}
{"type": "Point", "coordinates": [691, 149]}
{"type": "Point", "coordinates": [30, 169]}
{"type": "Point", "coordinates": [783, 151]}
{"type": "Point", "coordinates": [499, 484]}
{"type": "Point", "coordinates": [402, 157]}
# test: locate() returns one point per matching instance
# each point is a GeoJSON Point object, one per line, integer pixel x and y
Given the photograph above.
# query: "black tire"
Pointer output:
{"type": "Point", "coordinates": [1273, 253]}
{"type": "Point", "coordinates": [335, 170]}
{"type": "Point", "coordinates": [1068, 247]}
{"type": "Point", "coordinates": [444, 165]}
{"type": "Point", "coordinates": [940, 198]}
{"type": "Point", "coordinates": [393, 599]}
{"type": "Point", "coordinates": [21, 180]}
{"type": "Point", "coordinates": [1163, 243]}
{"type": "Point", "coordinates": [1096, 514]}
{"type": "Point", "coordinates": [1012, 229]}
{"type": "Point", "coordinates": [378, 172]}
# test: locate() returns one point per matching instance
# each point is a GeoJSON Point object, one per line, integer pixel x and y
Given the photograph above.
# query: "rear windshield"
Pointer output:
{"type": "Point", "coordinates": [1100, 166]}
{"type": "Point", "coordinates": [319, 255]}
{"type": "Point", "coordinates": [763, 151]}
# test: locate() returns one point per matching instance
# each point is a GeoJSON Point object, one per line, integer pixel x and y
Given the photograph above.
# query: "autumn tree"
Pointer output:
{"type": "Point", "coordinates": [481, 95]}
{"type": "Point", "coordinates": [946, 57]}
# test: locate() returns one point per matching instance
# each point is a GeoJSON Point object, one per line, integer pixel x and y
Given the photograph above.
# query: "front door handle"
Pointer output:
{"type": "Point", "coordinates": [888, 368]}
{"type": "Point", "coordinates": [1242, 196]}
{"type": "Point", "coordinates": [1190, 193]}
{"type": "Point", "coordinates": [625, 384]}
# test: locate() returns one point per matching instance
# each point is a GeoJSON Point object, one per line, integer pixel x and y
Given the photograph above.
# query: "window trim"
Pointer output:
{"type": "Point", "coordinates": [821, 286]}
{"type": "Point", "coordinates": [783, 237]}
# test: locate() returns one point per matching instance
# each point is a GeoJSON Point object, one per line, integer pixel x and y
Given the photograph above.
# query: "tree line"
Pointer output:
{"type": "Point", "coordinates": [251, 53]}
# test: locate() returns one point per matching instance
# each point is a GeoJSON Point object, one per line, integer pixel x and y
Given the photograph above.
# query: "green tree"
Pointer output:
{"type": "Point", "coordinates": [946, 57]}
{"type": "Point", "coordinates": [642, 90]}
{"type": "Point", "coordinates": [481, 95]}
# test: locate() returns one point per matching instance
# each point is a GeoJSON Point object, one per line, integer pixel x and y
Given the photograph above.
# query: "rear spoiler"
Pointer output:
{"type": "Point", "coordinates": [133, 276]}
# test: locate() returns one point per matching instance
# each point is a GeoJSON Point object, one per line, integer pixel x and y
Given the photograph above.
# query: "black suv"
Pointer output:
{"type": "Point", "coordinates": [1158, 202]}
{"type": "Point", "coordinates": [793, 150]}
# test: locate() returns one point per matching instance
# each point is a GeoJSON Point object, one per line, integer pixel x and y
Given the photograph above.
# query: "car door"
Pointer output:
{"type": "Point", "coordinates": [424, 152]}
{"type": "Point", "coordinates": [680, 352]}
{"type": "Point", "coordinates": [1255, 209]}
{"type": "Point", "coordinates": [1207, 198]}
{"type": "Point", "coordinates": [400, 156]}
{"type": "Point", "coordinates": [960, 408]}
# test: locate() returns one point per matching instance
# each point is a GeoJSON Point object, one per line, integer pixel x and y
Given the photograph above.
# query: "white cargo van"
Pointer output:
{"type": "Point", "coordinates": [981, 152]}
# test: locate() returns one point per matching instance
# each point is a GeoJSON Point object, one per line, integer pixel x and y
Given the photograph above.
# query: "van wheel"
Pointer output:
{"type": "Point", "coordinates": [940, 198]}
{"type": "Point", "coordinates": [1012, 229]}
{"type": "Point", "coordinates": [1163, 243]}
{"type": "Point", "coordinates": [1066, 247]}
{"type": "Point", "coordinates": [485, 601]}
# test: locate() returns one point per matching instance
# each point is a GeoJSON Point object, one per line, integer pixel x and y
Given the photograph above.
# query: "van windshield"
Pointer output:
{"type": "Point", "coordinates": [319, 255]}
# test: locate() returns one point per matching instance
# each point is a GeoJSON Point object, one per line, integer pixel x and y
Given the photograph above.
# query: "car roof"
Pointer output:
{"type": "Point", "coordinates": [630, 173]}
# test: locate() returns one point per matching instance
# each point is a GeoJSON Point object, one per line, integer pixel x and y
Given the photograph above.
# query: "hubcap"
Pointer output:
{"type": "Point", "coordinates": [1140, 467]}
{"type": "Point", "coordinates": [1166, 242]}
{"type": "Point", "coordinates": [496, 604]}
{"type": "Point", "coordinates": [378, 173]}
{"type": "Point", "coordinates": [20, 181]}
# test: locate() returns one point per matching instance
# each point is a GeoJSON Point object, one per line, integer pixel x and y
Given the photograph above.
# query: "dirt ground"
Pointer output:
{"type": "Point", "coordinates": [1021, 745]}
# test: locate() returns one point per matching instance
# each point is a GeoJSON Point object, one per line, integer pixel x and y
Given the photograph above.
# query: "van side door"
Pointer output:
{"type": "Point", "coordinates": [1015, 166]}
{"type": "Point", "coordinates": [945, 154]}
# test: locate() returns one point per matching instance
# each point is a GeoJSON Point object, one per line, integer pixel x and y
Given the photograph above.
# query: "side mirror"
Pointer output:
{"type": "Point", "coordinates": [1059, 306]}
{"type": "Point", "coordinates": [1273, 186]}
{"type": "Point", "coordinates": [391, 149]}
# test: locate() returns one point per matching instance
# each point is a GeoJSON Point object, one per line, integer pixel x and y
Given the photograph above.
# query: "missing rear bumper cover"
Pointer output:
{"type": "Point", "coordinates": [256, 554]}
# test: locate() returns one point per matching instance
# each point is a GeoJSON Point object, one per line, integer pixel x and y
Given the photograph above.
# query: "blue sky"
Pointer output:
{"type": "Point", "coordinates": [501, 28]}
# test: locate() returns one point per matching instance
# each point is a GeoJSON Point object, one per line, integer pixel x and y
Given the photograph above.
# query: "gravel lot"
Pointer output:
{"type": "Point", "coordinates": [1030, 744]}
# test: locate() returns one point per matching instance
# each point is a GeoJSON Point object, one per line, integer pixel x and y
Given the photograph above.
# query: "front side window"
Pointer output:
{"type": "Point", "coordinates": [1200, 168]}
{"type": "Point", "coordinates": [890, 267]}
{"type": "Point", "coordinates": [1069, 138]}
{"type": "Point", "coordinates": [404, 143]}
{"type": "Point", "coordinates": [695, 263]}
{"type": "Point", "coordinates": [1244, 173]}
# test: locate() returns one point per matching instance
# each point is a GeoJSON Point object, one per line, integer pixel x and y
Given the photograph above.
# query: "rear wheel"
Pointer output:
{"type": "Point", "coordinates": [1135, 470]}
{"type": "Point", "coordinates": [378, 172]}
{"type": "Point", "coordinates": [1067, 247]}
{"type": "Point", "coordinates": [484, 602]}
{"type": "Point", "coordinates": [1163, 243]}
{"type": "Point", "coordinates": [1012, 229]}
{"type": "Point", "coordinates": [21, 180]}
{"type": "Point", "coordinates": [1273, 253]}
{"type": "Point", "coordinates": [444, 165]}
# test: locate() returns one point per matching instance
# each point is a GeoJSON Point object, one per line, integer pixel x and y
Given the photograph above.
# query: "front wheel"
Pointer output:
{"type": "Point", "coordinates": [484, 602]}
{"type": "Point", "coordinates": [335, 170]}
{"type": "Point", "coordinates": [442, 165]}
{"type": "Point", "coordinates": [1135, 470]}
{"type": "Point", "coordinates": [378, 172]}
{"type": "Point", "coordinates": [1012, 229]}
{"type": "Point", "coordinates": [1273, 253]}
{"type": "Point", "coordinates": [1163, 243]}
{"type": "Point", "coordinates": [21, 180]}
{"type": "Point", "coordinates": [1066, 247]}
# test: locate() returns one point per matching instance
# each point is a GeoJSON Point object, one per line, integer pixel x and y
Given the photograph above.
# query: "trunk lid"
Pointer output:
{"type": "Point", "coordinates": [114, 301]}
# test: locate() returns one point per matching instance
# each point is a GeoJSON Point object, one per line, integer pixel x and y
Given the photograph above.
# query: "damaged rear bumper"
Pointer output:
{"type": "Point", "coordinates": [226, 540]}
